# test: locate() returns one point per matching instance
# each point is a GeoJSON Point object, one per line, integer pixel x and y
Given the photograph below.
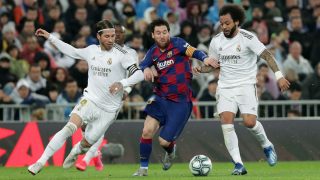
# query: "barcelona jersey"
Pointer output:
{"type": "Point", "coordinates": [174, 69]}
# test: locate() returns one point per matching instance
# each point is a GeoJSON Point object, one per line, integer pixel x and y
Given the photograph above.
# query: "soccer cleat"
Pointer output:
{"type": "Point", "coordinates": [168, 158]}
{"type": "Point", "coordinates": [81, 166]}
{"type": "Point", "coordinates": [35, 168]}
{"type": "Point", "coordinates": [271, 155]}
{"type": "Point", "coordinates": [98, 162]}
{"type": "Point", "coordinates": [70, 160]}
{"type": "Point", "coordinates": [141, 172]}
{"type": "Point", "coordinates": [239, 169]}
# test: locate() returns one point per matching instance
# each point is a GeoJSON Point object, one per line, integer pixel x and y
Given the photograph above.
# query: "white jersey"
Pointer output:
{"type": "Point", "coordinates": [105, 68]}
{"type": "Point", "coordinates": [237, 56]}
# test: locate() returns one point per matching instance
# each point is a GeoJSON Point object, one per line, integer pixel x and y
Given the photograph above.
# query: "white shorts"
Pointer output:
{"type": "Point", "coordinates": [243, 97]}
{"type": "Point", "coordinates": [97, 120]}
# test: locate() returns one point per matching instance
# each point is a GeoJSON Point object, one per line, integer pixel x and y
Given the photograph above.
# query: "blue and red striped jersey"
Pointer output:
{"type": "Point", "coordinates": [174, 69]}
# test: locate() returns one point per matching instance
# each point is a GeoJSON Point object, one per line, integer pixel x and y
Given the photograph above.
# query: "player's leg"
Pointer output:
{"type": "Point", "coordinates": [93, 154]}
{"type": "Point", "coordinates": [177, 116]}
{"type": "Point", "coordinates": [56, 143]}
{"type": "Point", "coordinates": [151, 126]}
{"type": "Point", "coordinates": [227, 108]}
{"type": "Point", "coordinates": [97, 125]}
{"type": "Point", "coordinates": [249, 112]}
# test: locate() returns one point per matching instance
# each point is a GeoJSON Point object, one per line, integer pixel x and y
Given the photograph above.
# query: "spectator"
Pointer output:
{"type": "Point", "coordinates": [311, 85]}
{"type": "Point", "coordinates": [143, 5]}
{"type": "Point", "coordinates": [30, 48]}
{"type": "Point", "coordinates": [36, 82]}
{"type": "Point", "coordinates": [80, 73]}
{"type": "Point", "coordinates": [189, 34]}
{"type": "Point", "coordinates": [19, 67]}
{"type": "Point", "coordinates": [43, 60]}
{"type": "Point", "coordinates": [173, 6]}
{"type": "Point", "coordinates": [213, 15]}
{"type": "Point", "coordinates": [70, 94]}
{"type": "Point", "coordinates": [85, 31]}
{"type": "Point", "coordinates": [80, 19]}
{"type": "Point", "coordinates": [7, 79]}
{"type": "Point", "coordinates": [173, 24]}
{"type": "Point", "coordinates": [297, 62]}
{"type": "Point", "coordinates": [204, 37]}
{"type": "Point", "coordinates": [54, 15]}
{"type": "Point", "coordinates": [27, 29]}
{"type": "Point", "coordinates": [23, 95]}
{"type": "Point", "coordinates": [102, 6]}
{"type": "Point", "coordinates": [21, 10]}
{"type": "Point", "coordinates": [129, 16]}
{"type": "Point", "coordinates": [58, 78]}
{"type": "Point", "coordinates": [9, 36]}
{"type": "Point", "coordinates": [194, 14]}
{"type": "Point", "coordinates": [269, 82]}
{"type": "Point", "coordinates": [209, 95]}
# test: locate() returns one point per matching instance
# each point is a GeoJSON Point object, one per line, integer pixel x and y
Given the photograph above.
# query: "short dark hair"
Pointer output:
{"type": "Point", "coordinates": [159, 22]}
{"type": "Point", "coordinates": [103, 24]}
{"type": "Point", "coordinates": [262, 65]}
{"type": "Point", "coordinates": [236, 12]}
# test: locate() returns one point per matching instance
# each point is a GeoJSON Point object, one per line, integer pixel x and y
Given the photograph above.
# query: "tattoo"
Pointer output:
{"type": "Point", "coordinates": [206, 69]}
{"type": "Point", "coordinates": [266, 55]}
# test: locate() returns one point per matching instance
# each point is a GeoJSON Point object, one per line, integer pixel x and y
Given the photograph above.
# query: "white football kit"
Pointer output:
{"type": "Point", "coordinates": [238, 57]}
{"type": "Point", "coordinates": [98, 107]}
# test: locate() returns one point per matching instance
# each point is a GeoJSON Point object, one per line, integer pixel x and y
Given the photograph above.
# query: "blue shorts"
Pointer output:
{"type": "Point", "coordinates": [171, 115]}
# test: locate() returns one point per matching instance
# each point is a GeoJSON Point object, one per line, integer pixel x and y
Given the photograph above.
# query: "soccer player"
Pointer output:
{"type": "Point", "coordinates": [171, 106]}
{"type": "Point", "coordinates": [93, 153]}
{"type": "Point", "coordinates": [237, 51]}
{"type": "Point", "coordinates": [101, 101]}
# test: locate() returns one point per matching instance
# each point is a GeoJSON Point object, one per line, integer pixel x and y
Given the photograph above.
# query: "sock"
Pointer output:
{"type": "Point", "coordinates": [231, 142]}
{"type": "Point", "coordinates": [260, 134]}
{"type": "Point", "coordinates": [79, 149]}
{"type": "Point", "coordinates": [145, 151]}
{"type": "Point", "coordinates": [57, 141]}
{"type": "Point", "coordinates": [169, 149]}
{"type": "Point", "coordinates": [93, 151]}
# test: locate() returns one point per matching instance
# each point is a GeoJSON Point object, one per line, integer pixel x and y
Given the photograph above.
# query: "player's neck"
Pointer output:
{"type": "Point", "coordinates": [235, 33]}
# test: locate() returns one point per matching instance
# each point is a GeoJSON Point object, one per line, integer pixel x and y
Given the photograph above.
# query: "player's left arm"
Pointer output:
{"type": "Point", "coordinates": [267, 56]}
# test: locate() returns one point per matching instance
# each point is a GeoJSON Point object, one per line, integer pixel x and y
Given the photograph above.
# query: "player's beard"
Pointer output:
{"type": "Point", "coordinates": [230, 35]}
{"type": "Point", "coordinates": [163, 45]}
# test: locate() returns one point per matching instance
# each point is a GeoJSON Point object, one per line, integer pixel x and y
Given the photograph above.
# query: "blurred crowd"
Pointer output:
{"type": "Point", "coordinates": [34, 72]}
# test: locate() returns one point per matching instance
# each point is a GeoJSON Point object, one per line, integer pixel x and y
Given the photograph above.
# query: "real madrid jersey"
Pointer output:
{"type": "Point", "coordinates": [237, 56]}
{"type": "Point", "coordinates": [105, 68]}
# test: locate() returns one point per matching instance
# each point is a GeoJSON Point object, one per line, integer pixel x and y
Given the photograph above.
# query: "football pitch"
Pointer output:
{"type": "Point", "coordinates": [256, 170]}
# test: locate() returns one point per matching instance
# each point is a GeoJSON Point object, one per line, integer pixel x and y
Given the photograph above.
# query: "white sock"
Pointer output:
{"type": "Point", "coordinates": [57, 141]}
{"type": "Point", "coordinates": [260, 134]}
{"type": "Point", "coordinates": [93, 151]}
{"type": "Point", "coordinates": [231, 142]}
{"type": "Point", "coordinates": [79, 149]}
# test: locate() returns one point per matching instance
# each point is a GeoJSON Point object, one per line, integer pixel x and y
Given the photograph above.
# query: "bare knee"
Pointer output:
{"type": "Point", "coordinates": [147, 133]}
{"type": "Point", "coordinates": [249, 120]}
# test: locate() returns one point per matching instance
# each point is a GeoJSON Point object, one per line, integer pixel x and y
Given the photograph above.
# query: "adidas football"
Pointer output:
{"type": "Point", "coordinates": [200, 165]}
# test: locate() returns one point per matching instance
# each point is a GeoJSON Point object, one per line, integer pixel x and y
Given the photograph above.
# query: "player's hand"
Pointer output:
{"type": "Point", "coordinates": [196, 70]}
{"type": "Point", "coordinates": [42, 33]}
{"type": "Point", "coordinates": [125, 95]}
{"type": "Point", "coordinates": [115, 88]}
{"type": "Point", "coordinates": [209, 61]}
{"type": "Point", "coordinates": [148, 75]}
{"type": "Point", "coordinates": [283, 84]}
{"type": "Point", "coordinates": [154, 71]}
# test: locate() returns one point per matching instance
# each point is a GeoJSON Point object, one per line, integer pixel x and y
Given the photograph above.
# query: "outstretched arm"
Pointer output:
{"type": "Point", "coordinates": [283, 83]}
{"type": "Point", "coordinates": [63, 47]}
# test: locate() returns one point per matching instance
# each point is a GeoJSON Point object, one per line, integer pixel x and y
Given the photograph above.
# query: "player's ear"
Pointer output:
{"type": "Point", "coordinates": [98, 36]}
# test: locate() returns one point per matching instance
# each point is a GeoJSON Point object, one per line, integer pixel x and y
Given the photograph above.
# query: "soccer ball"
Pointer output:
{"type": "Point", "coordinates": [200, 165]}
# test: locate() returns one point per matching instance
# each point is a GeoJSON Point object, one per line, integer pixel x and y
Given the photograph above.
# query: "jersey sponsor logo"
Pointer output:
{"type": "Point", "coordinates": [229, 59]}
{"type": "Point", "coordinates": [109, 61]}
{"type": "Point", "coordinates": [164, 64]}
{"type": "Point", "coordinates": [100, 71]}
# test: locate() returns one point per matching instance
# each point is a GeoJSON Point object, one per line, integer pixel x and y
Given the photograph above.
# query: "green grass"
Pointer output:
{"type": "Point", "coordinates": [256, 170]}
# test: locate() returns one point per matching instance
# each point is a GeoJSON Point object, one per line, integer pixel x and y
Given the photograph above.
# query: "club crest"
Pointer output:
{"type": "Point", "coordinates": [169, 54]}
{"type": "Point", "coordinates": [238, 48]}
{"type": "Point", "coordinates": [109, 61]}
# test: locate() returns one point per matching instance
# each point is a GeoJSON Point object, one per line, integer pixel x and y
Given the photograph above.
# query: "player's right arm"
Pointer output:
{"type": "Point", "coordinates": [62, 46]}
{"type": "Point", "coordinates": [146, 64]}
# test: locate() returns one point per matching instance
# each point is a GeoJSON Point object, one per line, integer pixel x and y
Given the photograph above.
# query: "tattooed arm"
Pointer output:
{"type": "Point", "coordinates": [283, 83]}
{"type": "Point", "coordinates": [266, 55]}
